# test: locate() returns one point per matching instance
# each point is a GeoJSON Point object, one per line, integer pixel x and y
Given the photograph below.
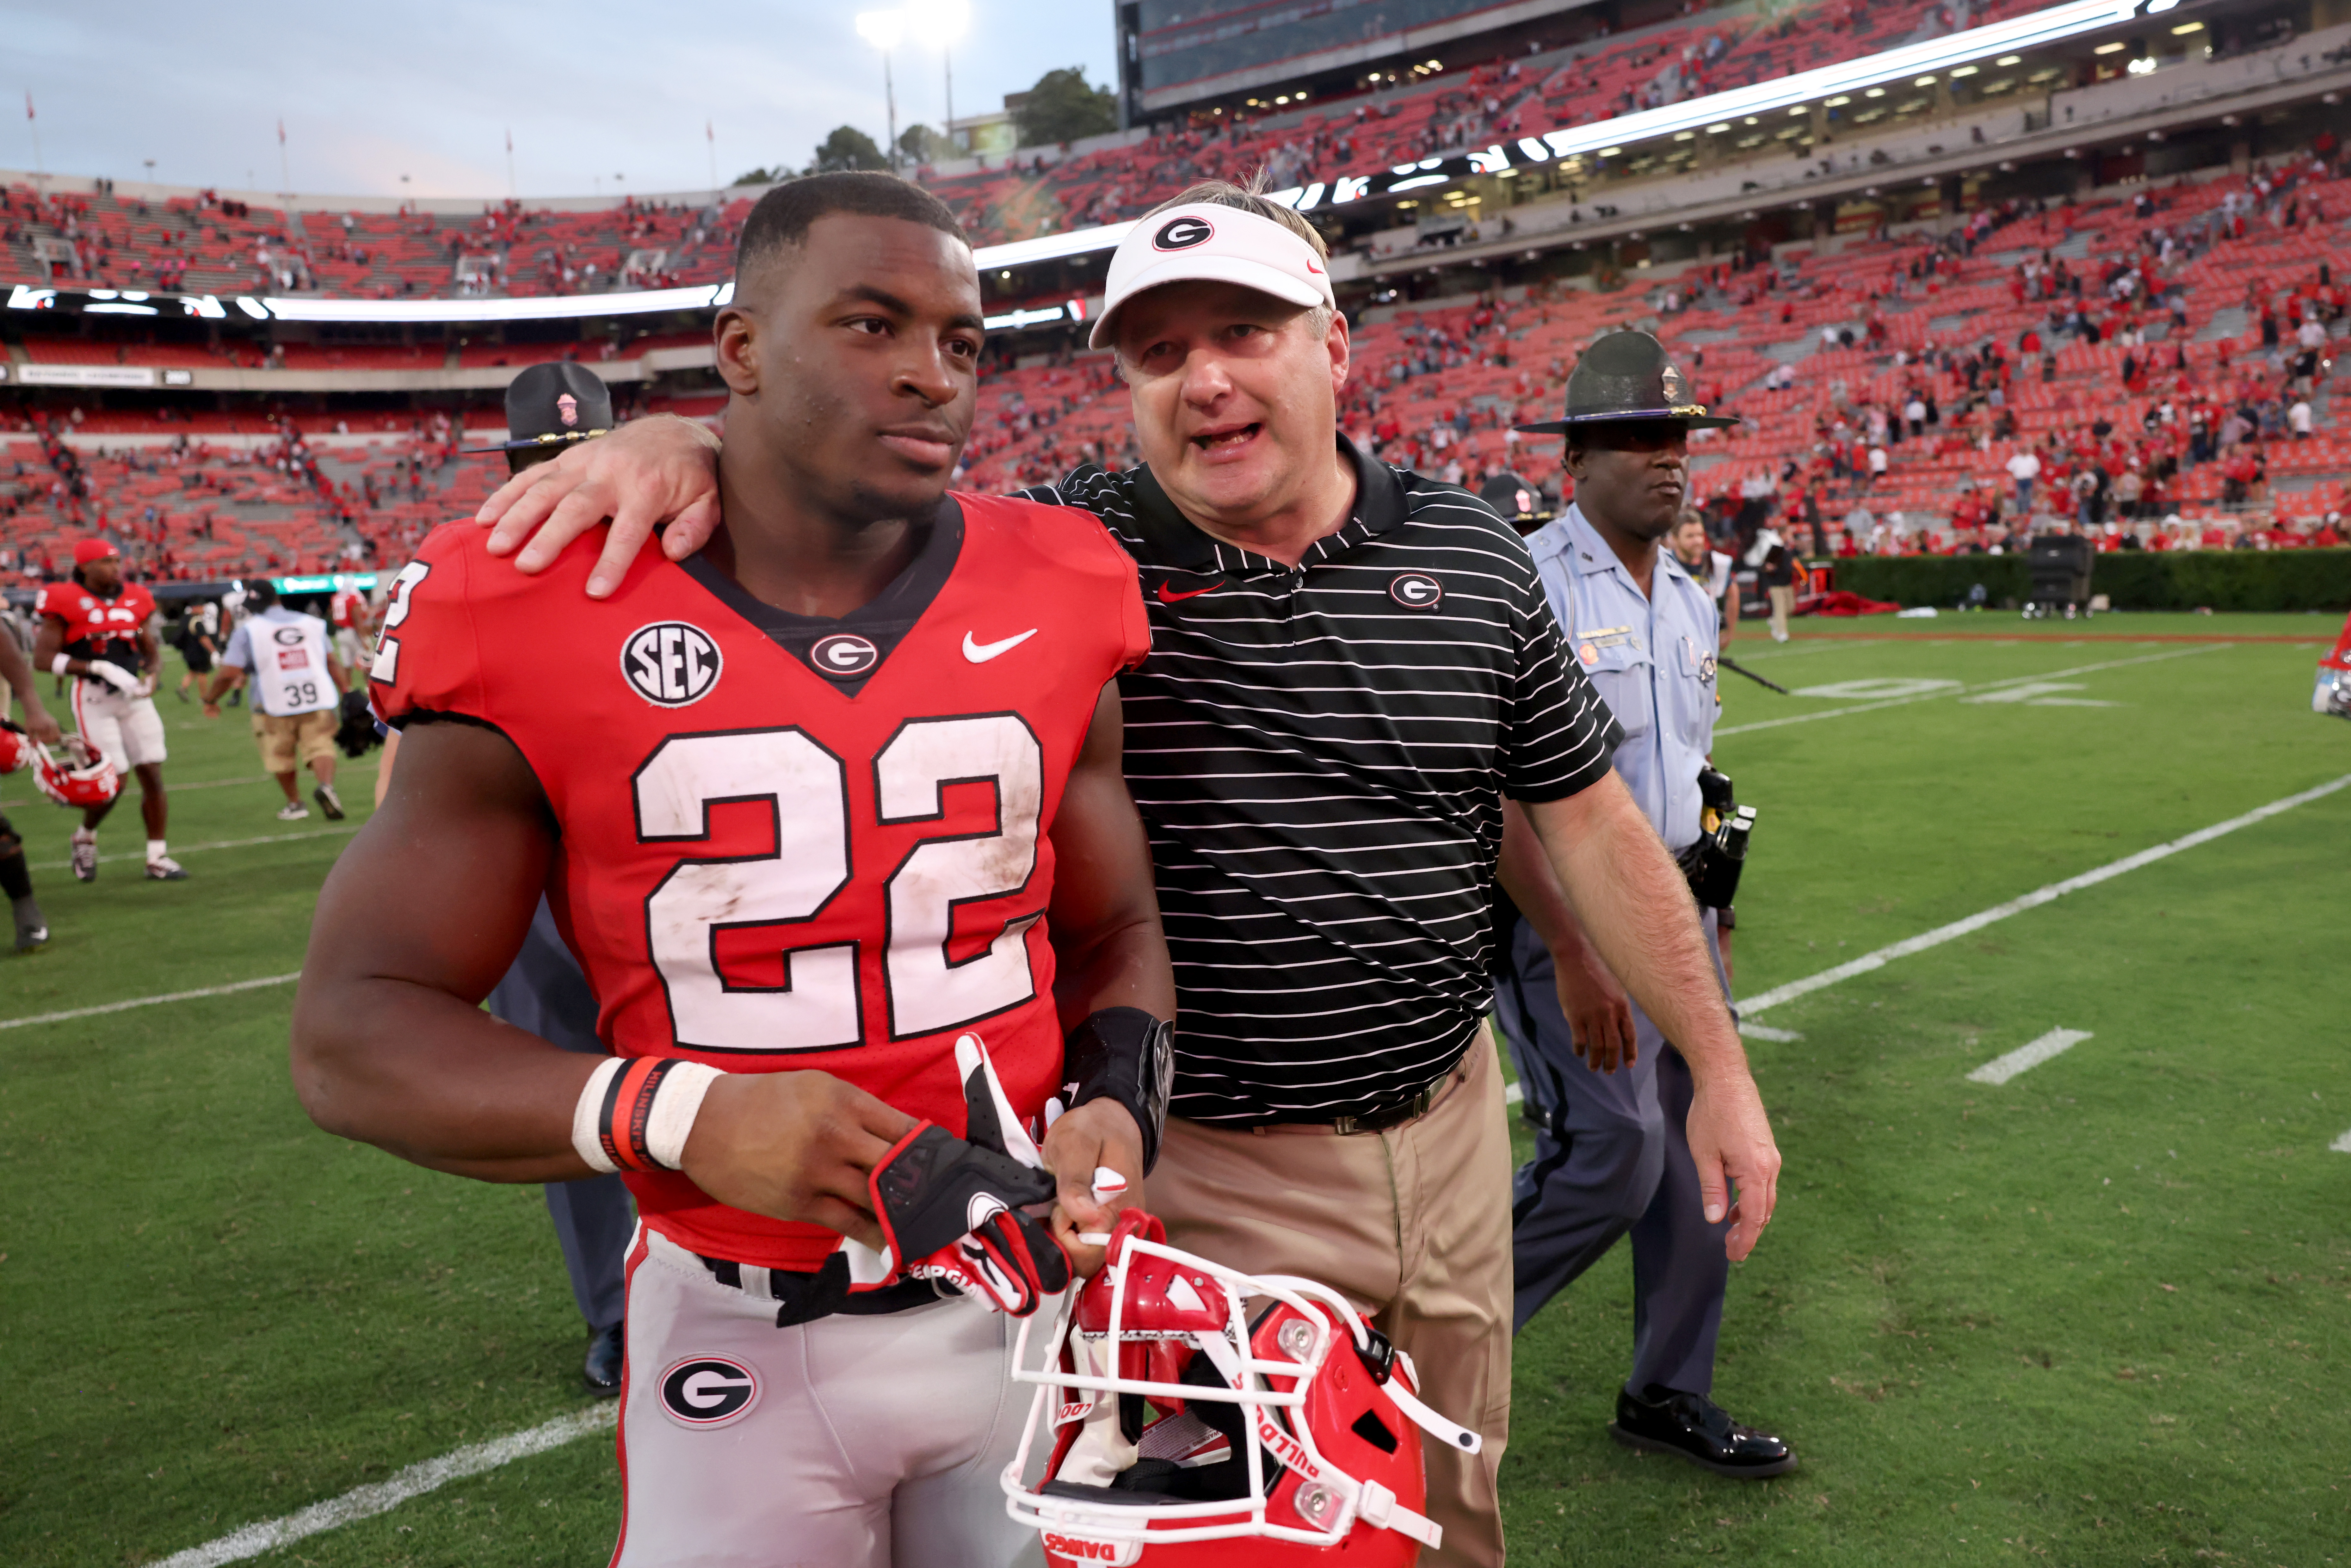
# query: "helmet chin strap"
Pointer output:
{"type": "Point", "coordinates": [1458, 1437]}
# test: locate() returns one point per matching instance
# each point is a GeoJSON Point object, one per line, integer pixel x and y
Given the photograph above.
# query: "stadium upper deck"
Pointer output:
{"type": "Point", "coordinates": [1749, 252]}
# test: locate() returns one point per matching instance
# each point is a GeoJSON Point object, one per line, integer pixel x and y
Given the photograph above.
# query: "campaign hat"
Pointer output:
{"type": "Point", "coordinates": [553, 405]}
{"type": "Point", "coordinates": [1625, 376]}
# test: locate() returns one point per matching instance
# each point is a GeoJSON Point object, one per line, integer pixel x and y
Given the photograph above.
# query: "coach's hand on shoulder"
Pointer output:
{"type": "Point", "coordinates": [794, 1145]}
{"type": "Point", "coordinates": [1730, 1143]}
{"type": "Point", "coordinates": [649, 471]}
{"type": "Point", "coordinates": [1099, 1133]}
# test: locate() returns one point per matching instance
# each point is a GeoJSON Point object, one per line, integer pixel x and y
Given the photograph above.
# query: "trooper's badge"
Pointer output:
{"type": "Point", "coordinates": [1675, 388]}
{"type": "Point", "coordinates": [670, 663]}
{"type": "Point", "coordinates": [705, 1391]}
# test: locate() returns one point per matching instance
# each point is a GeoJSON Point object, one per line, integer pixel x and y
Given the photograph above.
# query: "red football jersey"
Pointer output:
{"type": "Point", "coordinates": [792, 842]}
{"type": "Point", "coordinates": [2340, 657]}
{"type": "Point", "coordinates": [99, 628]}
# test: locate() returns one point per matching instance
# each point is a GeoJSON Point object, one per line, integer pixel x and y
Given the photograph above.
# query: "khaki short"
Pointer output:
{"type": "Point", "coordinates": [300, 736]}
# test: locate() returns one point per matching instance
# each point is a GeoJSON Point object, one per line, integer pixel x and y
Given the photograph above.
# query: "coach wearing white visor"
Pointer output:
{"type": "Point", "coordinates": [1352, 666]}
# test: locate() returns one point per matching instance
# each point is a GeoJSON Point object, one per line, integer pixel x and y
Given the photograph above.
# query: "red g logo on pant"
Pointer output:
{"type": "Point", "coordinates": [707, 1391]}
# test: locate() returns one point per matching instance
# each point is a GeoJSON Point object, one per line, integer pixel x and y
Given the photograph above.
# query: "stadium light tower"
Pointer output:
{"type": "Point", "coordinates": [883, 29]}
{"type": "Point", "coordinates": [942, 22]}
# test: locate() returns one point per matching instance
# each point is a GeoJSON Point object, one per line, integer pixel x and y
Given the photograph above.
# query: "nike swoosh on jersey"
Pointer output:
{"type": "Point", "coordinates": [980, 653]}
{"type": "Point", "coordinates": [1166, 597]}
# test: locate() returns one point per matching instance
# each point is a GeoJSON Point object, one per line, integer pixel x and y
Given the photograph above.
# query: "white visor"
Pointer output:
{"type": "Point", "coordinates": [1203, 240]}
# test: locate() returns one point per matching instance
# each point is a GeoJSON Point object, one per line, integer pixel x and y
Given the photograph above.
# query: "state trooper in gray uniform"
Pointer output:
{"type": "Point", "coordinates": [550, 407]}
{"type": "Point", "coordinates": [1608, 1095]}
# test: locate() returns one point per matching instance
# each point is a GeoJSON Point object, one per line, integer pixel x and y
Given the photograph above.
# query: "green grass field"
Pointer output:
{"type": "Point", "coordinates": [2098, 1314]}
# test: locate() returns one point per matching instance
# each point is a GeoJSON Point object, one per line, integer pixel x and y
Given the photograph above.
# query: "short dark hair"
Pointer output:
{"type": "Point", "coordinates": [783, 216]}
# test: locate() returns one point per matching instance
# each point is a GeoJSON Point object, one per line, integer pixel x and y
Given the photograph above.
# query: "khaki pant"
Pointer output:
{"type": "Point", "coordinates": [295, 737]}
{"type": "Point", "coordinates": [1412, 1225]}
{"type": "Point", "coordinates": [1784, 602]}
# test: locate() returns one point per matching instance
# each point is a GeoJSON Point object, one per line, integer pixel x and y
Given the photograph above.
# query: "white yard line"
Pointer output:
{"type": "Point", "coordinates": [2340, 1146]}
{"type": "Point", "coordinates": [1965, 691]}
{"type": "Point", "coordinates": [2033, 900]}
{"type": "Point", "coordinates": [180, 849]}
{"type": "Point", "coordinates": [382, 1497]}
{"type": "Point", "coordinates": [150, 1001]}
{"type": "Point", "coordinates": [2001, 1068]}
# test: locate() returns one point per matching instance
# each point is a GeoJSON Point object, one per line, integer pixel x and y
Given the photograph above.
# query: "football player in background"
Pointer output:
{"type": "Point", "coordinates": [200, 644]}
{"type": "Point", "coordinates": [101, 630]}
{"type": "Point", "coordinates": [2333, 692]}
{"type": "Point", "coordinates": [838, 828]}
{"type": "Point", "coordinates": [347, 614]}
{"type": "Point", "coordinates": [15, 752]}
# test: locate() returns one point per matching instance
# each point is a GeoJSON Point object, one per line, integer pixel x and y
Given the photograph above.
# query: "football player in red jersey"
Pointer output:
{"type": "Point", "coordinates": [838, 828]}
{"type": "Point", "coordinates": [100, 630]}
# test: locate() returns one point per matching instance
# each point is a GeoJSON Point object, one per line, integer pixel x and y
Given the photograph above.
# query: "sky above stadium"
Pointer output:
{"type": "Point", "coordinates": [599, 97]}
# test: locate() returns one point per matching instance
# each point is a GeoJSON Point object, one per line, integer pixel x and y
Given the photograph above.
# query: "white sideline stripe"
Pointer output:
{"type": "Point", "coordinates": [1964, 690]}
{"type": "Point", "coordinates": [217, 844]}
{"type": "Point", "coordinates": [2001, 1068]}
{"type": "Point", "coordinates": [1513, 1094]}
{"type": "Point", "coordinates": [150, 1001]}
{"type": "Point", "coordinates": [2033, 900]}
{"type": "Point", "coordinates": [382, 1497]}
{"type": "Point", "coordinates": [2340, 1146]}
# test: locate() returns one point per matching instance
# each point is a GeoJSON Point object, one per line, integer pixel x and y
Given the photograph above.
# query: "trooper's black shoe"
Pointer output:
{"type": "Point", "coordinates": [602, 1371]}
{"type": "Point", "coordinates": [1661, 1420]}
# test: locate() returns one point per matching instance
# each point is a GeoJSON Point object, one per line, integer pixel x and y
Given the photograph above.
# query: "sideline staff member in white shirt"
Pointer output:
{"type": "Point", "coordinates": [298, 686]}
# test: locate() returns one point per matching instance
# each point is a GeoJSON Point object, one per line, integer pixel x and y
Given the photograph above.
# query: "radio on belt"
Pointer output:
{"type": "Point", "coordinates": [1712, 864]}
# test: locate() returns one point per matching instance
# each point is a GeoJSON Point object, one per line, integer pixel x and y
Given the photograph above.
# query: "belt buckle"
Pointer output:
{"type": "Point", "coordinates": [1411, 1110]}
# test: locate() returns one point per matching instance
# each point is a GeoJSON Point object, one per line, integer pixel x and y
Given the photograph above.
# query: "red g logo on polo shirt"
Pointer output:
{"type": "Point", "coordinates": [1183, 234]}
{"type": "Point", "coordinates": [1417, 590]}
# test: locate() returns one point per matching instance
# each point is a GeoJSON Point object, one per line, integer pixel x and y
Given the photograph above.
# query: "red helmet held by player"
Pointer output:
{"type": "Point", "coordinates": [17, 749]}
{"type": "Point", "coordinates": [85, 777]}
{"type": "Point", "coordinates": [1180, 1429]}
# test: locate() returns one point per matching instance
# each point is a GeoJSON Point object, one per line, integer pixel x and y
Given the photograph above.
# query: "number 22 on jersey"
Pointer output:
{"type": "Point", "coordinates": [804, 788]}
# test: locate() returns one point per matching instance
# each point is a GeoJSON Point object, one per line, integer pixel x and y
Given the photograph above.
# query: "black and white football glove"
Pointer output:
{"type": "Point", "coordinates": [952, 1210]}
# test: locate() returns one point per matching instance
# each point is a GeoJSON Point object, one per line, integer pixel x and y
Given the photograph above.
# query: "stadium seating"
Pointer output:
{"type": "Point", "coordinates": [202, 245]}
{"type": "Point", "coordinates": [1438, 387]}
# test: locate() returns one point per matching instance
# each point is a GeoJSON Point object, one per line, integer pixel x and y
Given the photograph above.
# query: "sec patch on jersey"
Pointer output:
{"type": "Point", "coordinates": [670, 663]}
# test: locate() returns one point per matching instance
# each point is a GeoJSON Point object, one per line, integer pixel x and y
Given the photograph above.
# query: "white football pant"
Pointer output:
{"type": "Point", "coordinates": [848, 1442]}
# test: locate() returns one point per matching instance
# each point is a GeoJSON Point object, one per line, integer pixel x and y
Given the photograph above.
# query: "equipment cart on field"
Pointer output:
{"type": "Point", "coordinates": [2059, 565]}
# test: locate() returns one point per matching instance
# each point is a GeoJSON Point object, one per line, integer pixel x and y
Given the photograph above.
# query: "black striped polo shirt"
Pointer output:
{"type": "Point", "coordinates": [1319, 754]}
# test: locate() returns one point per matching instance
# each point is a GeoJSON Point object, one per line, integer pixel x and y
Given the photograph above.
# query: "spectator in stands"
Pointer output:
{"type": "Point", "coordinates": [2025, 469]}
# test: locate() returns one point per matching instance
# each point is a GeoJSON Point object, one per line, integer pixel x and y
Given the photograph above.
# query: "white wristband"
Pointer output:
{"type": "Point", "coordinates": [58, 666]}
{"type": "Point", "coordinates": [676, 1103]}
{"type": "Point", "coordinates": [584, 1116]}
{"type": "Point", "coordinates": [677, 1100]}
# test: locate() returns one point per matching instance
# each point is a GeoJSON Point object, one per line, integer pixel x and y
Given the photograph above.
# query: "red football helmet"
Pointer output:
{"type": "Point", "coordinates": [84, 779]}
{"type": "Point", "coordinates": [17, 749]}
{"type": "Point", "coordinates": [1179, 1426]}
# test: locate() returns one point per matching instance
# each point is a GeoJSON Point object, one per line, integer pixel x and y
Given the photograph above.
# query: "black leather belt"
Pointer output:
{"type": "Point", "coordinates": [1411, 1110]}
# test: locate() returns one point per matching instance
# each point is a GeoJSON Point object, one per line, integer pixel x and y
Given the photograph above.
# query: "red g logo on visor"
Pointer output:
{"type": "Point", "coordinates": [1182, 234]}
